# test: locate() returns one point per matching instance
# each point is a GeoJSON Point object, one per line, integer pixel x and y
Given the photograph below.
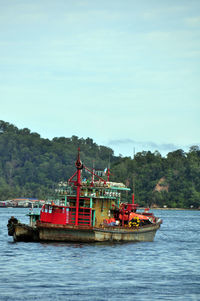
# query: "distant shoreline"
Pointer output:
{"type": "Point", "coordinates": [143, 208]}
{"type": "Point", "coordinates": [196, 209]}
{"type": "Point", "coordinates": [158, 208]}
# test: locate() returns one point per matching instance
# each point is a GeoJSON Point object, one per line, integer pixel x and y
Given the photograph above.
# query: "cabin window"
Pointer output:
{"type": "Point", "coordinates": [81, 203]}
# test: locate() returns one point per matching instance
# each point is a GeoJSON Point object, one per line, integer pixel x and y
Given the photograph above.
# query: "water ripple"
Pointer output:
{"type": "Point", "coordinates": [166, 269]}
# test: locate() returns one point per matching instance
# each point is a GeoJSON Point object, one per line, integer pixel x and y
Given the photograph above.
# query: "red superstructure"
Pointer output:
{"type": "Point", "coordinates": [72, 215]}
{"type": "Point", "coordinates": [87, 204]}
{"type": "Point", "coordinates": [89, 210]}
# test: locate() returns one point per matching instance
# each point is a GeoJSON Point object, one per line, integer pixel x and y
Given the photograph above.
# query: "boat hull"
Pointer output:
{"type": "Point", "coordinates": [25, 233]}
{"type": "Point", "coordinates": [65, 233]}
{"type": "Point", "coordinates": [22, 232]}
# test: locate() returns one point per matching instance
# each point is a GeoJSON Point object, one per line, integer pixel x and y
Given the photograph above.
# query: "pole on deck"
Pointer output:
{"type": "Point", "coordinates": [133, 198]}
{"type": "Point", "coordinates": [79, 166]}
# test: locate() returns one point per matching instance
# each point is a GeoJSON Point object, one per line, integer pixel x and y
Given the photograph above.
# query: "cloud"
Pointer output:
{"type": "Point", "coordinates": [162, 11]}
{"type": "Point", "coordinates": [163, 147]}
{"type": "Point", "coordinates": [134, 65]}
{"type": "Point", "coordinates": [121, 141]}
{"type": "Point", "coordinates": [194, 22]}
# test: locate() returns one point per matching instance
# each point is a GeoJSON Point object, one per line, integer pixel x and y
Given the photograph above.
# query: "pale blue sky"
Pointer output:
{"type": "Point", "coordinates": [122, 72]}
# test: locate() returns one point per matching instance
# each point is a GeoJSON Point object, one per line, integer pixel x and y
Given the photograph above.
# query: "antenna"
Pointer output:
{"type": "Point", "coordinates": [93, 170]}
{"type": "Point", "coordinates": [133, 152]}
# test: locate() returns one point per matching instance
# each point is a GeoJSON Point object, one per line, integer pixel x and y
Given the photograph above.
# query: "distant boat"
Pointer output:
{"type": "Point", "coordinates": [90, 210]}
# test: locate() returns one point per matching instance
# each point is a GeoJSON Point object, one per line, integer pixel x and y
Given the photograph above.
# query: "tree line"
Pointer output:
{"type": "Point", "coordinates": [31, 166]}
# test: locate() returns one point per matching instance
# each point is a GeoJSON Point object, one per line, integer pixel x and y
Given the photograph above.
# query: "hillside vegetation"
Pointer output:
{"type": "Point", "coordinates": [31, 166]}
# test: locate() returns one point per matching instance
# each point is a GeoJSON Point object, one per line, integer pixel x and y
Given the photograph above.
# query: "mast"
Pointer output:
{"type": "Point", "coordinates": [79, 166]}
{"type": "Point", "coordinates": [108, 170]}
{"type": "Point", "coordinates": [108, 174]}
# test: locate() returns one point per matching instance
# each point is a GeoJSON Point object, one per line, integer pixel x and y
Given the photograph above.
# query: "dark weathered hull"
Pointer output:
{"type": "Point", "coordinates": [22, 232]}
{"type": "Point", "coordinates": [66, 233]}
{"type": "Point", "coordinates": [49, 232]}
{"type": "Point", "coordinates": [25, 233]}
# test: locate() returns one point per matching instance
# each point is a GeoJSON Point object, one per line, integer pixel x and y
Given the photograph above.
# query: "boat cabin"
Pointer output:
{"type": "Point", "coordinates": [98, 201]}
{"type": "Point", "coordinates": [91, 203]}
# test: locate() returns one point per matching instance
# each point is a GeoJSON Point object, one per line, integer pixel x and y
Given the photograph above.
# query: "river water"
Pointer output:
{"type": "Point", "coordinates": [166, 269]}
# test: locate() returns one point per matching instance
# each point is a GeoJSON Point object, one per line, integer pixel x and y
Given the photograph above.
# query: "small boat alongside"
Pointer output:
{"type": "Point", "coordinates": [89, 210]}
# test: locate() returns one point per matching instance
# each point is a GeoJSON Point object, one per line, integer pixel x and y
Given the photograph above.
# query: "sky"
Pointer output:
{"type": "Point", "coordinates": [125, 73]}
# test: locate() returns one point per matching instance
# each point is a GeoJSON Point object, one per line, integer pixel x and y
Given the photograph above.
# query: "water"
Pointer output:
{"type": "Point", "coordinates": [166, 269]}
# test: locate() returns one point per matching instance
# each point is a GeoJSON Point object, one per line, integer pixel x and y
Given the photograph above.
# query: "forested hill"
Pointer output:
{"type": "Point", "coordinates": [31, 166]}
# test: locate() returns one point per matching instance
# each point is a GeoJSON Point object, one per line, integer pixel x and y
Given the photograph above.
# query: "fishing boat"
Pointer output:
{"type": "Point", "coordinates": [89, 210]}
